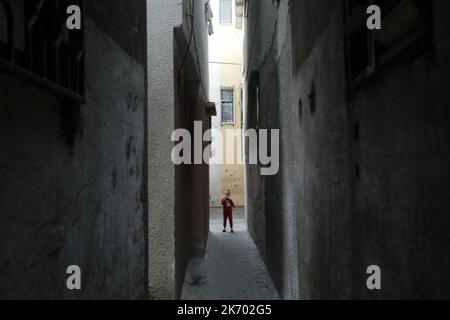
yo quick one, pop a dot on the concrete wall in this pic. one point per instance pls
(163, 17)
(192, 81)
(226, 49)
(270, 203)
(400, 210)
(361, 181)
(198, 83)
(177, 78)
(72, 177)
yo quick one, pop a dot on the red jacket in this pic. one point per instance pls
(227, 205)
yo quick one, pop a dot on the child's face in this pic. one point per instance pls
(227, 195)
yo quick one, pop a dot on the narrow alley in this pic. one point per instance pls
(232, 268)
(130, 128)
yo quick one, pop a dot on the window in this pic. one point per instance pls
(225, 12)
(227, 106)
(404, 32)
(36, 45)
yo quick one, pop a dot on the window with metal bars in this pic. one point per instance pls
(405, 32)
(35, 44)
(227, 106)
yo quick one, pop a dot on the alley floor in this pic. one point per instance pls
(232, 268)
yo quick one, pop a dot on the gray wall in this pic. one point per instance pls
(192, 181)
(271, 207)
(165, 16)
(72, 180)
(362, 181)
(172, 231)
(199, 46)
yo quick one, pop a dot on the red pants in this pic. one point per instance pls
(229, 216)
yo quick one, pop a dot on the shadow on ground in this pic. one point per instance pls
(232, 268)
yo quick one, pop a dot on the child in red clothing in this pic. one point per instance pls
(228, 207)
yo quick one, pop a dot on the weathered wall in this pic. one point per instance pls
(125, 22)
(400, 209)
(195, 73)
(165, 16)
(83, 204)
(177, 78)
(270, 200)
(323, 191)
(362, 180)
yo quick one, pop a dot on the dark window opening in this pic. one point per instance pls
(35, 44)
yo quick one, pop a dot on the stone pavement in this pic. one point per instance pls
(232, 268)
